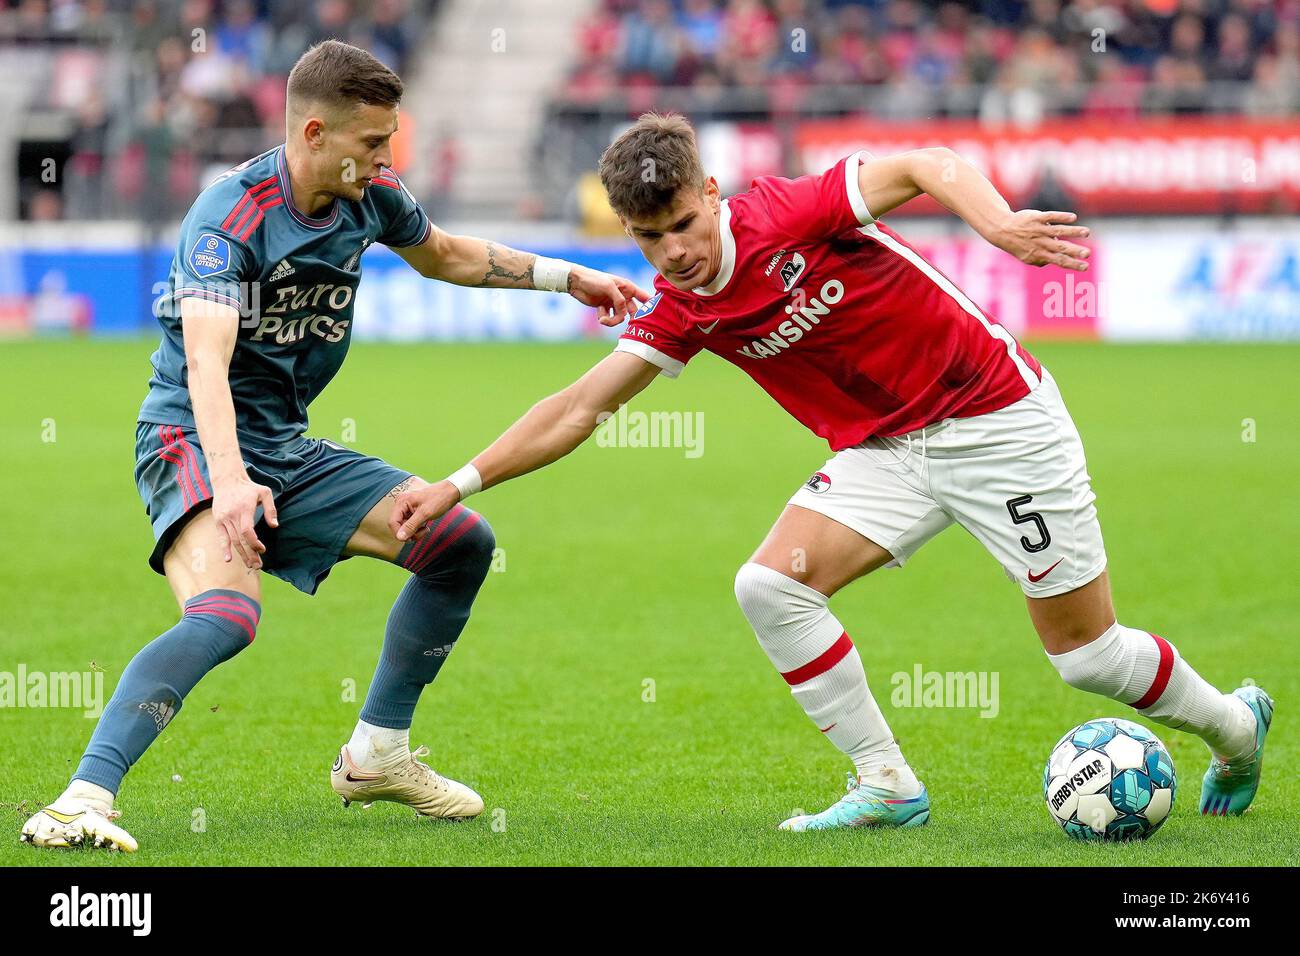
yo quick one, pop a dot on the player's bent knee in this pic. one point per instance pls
(1108, 665)
(480, 544)
(231, 618)
(463, 546)
(767, 597)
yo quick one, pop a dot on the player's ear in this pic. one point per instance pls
(313, 132)
(712, 194)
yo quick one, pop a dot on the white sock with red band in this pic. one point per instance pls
(1147, 673)
(810, 648)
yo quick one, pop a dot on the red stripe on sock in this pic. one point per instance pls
(451, 539)
(225, 604)
(242, 622)
(1163, 670)
(821, 664)
(430, 536)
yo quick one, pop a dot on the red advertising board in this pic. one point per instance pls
(1174, 165)
(1037, 303)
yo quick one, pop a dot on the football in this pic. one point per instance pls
(1109, 779)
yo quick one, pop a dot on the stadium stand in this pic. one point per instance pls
(511, 101)
(145, 99)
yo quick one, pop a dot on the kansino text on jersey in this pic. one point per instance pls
(793, 329)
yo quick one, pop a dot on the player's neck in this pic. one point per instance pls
(715, 256)
(308, 198)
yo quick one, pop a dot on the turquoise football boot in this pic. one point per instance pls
(1228, 788)
(865, 806)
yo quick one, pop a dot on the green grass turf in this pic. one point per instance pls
(618, 567)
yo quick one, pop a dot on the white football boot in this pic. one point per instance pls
(405, 780)
(71, 821)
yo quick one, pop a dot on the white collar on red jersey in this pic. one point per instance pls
(728, 254)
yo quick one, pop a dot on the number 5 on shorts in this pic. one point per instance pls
(1029, 517)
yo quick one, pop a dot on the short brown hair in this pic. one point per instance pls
(643, 169)
(342, 76)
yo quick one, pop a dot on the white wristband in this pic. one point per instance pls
(467, 481)
(551, 275)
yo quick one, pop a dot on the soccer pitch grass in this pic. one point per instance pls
(617, 569)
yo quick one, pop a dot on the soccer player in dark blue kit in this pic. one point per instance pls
(256, 321)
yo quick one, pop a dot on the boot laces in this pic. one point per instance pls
(423, 771)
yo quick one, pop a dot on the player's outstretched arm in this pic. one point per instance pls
(1032, 236)
(210, 330)
(550, 430)
(465, 260)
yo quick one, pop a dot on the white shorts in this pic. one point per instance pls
(1016, 479)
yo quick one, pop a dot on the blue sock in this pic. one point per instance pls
(215, 626)
(447, 568)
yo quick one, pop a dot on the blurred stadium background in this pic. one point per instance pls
(1170, 125)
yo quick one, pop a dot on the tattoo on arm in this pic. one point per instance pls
(497, 271)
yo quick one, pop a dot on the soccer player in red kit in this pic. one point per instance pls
(935, 415)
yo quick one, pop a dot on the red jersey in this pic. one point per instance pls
(835, 316)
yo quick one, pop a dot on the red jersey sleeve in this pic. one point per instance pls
(658, 334)
(815, 207)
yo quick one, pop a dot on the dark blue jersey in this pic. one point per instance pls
(294, 281)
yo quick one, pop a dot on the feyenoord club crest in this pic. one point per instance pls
(819, 483)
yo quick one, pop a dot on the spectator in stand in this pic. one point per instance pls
(1017, 59)
(748, 40)
(700, 22)
(652, 43)
(796, 41)
(1235, 56)
(242, 37)
(1114, 94)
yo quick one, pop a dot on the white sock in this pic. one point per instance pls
(810, 648)
(1147, 673)
(372, 747)
(100, 798)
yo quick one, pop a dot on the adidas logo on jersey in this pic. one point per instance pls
(282, 271)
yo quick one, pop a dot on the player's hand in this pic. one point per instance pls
(1043, 238)
(234, 506)
(414, 509)
(615, 298)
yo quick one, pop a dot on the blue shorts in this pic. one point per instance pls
(322, 492)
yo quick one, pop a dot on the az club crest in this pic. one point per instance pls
(819, 483)
(791, 271)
